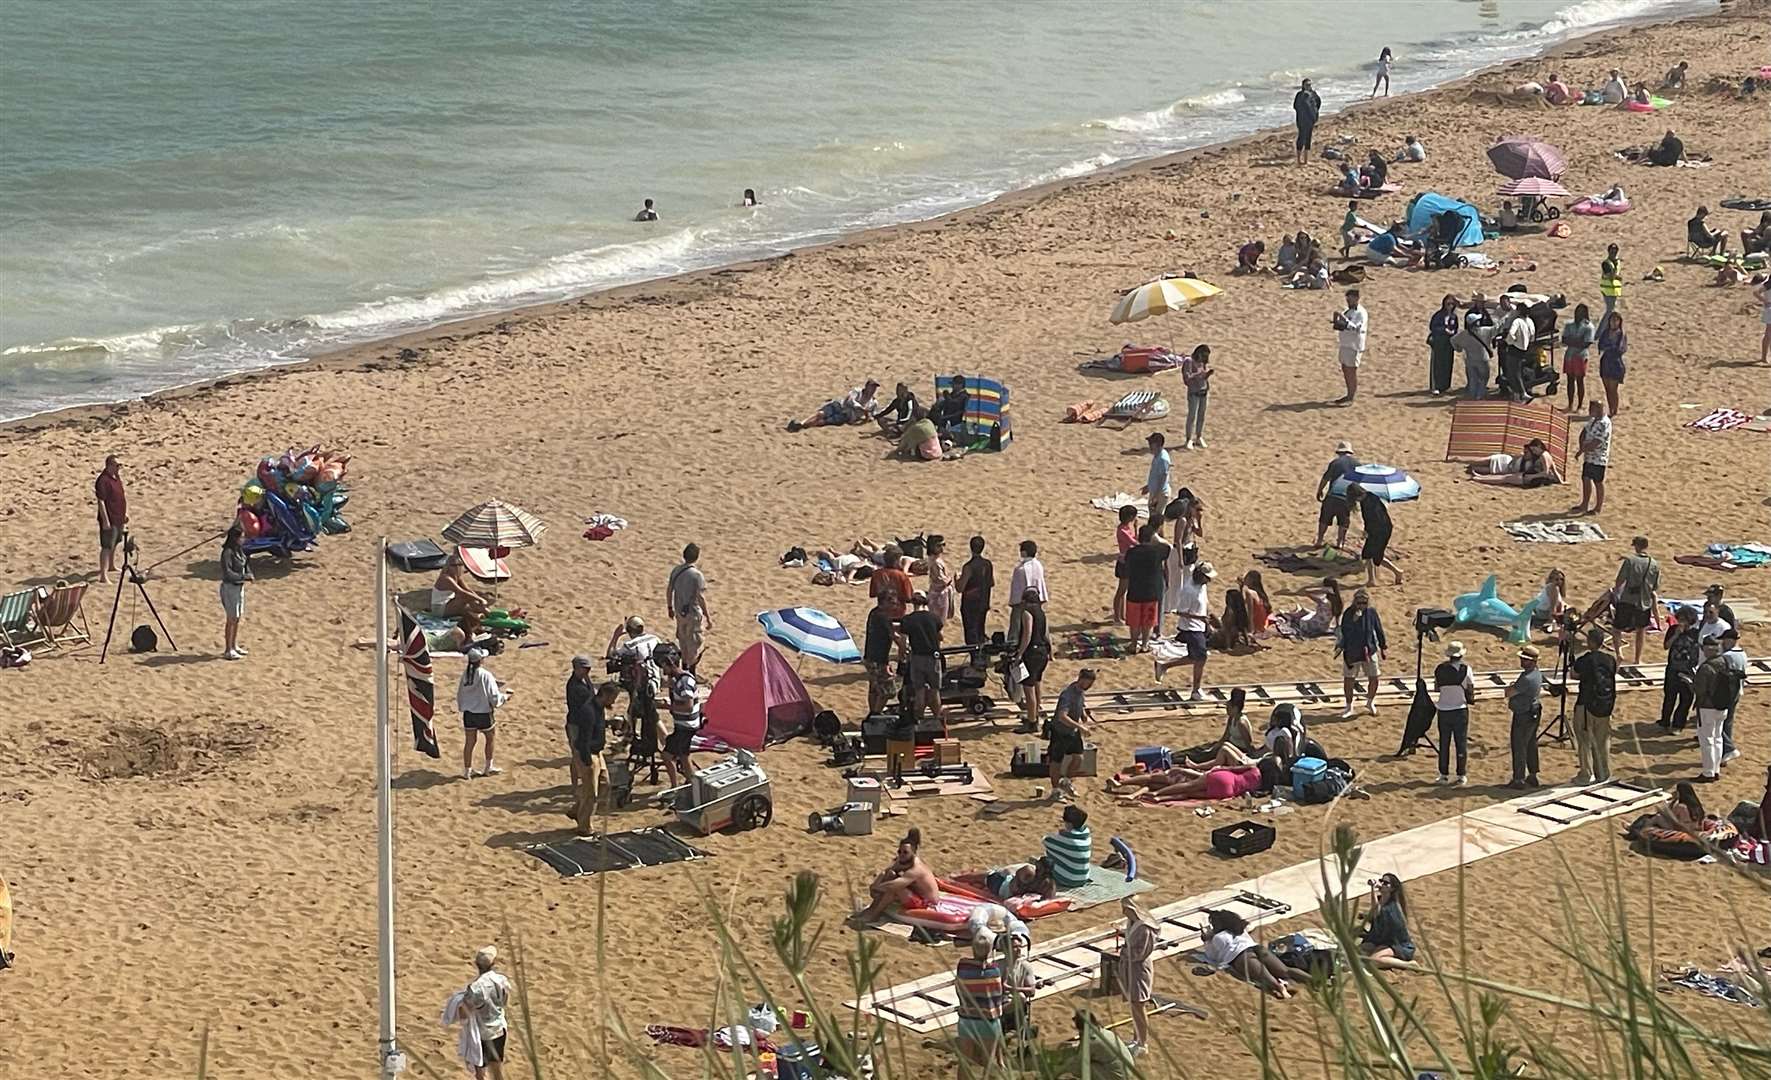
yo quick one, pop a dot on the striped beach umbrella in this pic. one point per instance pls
(1162, 296)
(1535, 186)
(1519, 156)
(1386, 482)
(495, 524)
(811, 632)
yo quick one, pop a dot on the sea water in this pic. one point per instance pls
(190, 188)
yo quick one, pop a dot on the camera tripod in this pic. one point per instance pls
(1556, 729)
(131, 574)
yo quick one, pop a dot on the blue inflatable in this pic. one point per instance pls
(1130, 857)
(1484, 607)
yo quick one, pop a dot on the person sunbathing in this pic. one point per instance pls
(1286, 739)
(453, 592)
(1231, 948)
(906, 883)
(1238, 733)
(1532, 468)
(1213, 782)
(1028, 879)
(1684, 811)
(1375, 172)
(852, 408)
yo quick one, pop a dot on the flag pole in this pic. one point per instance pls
(392, 1061)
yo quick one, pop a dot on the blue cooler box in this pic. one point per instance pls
(1304, 771)
(1153, 758)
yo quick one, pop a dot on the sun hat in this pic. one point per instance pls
(634, 624)
(486, 956)
(1208, 570)
(1529, 652)
(1343, 447)
(1455, 650)
(476, 654)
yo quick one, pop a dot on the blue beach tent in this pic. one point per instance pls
(1428, 206)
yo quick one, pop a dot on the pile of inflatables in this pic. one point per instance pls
(294, 499)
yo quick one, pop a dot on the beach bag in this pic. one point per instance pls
(1336, 778)
(415, 556)
(143, 639)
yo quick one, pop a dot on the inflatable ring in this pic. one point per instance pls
(1130, 857)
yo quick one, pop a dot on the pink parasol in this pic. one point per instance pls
(1536, 186)
(1522, 156)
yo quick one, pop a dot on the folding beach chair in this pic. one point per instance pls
(1137, 405)
(18, 619)
(62, 616)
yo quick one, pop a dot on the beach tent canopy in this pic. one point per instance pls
(759, 700)
(1427, 207)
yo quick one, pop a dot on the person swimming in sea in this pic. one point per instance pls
(749, 197)
(646, 213)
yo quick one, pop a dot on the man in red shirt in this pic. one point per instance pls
(113, 514)
(891, 589)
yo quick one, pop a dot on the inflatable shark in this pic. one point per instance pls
(1484, 608)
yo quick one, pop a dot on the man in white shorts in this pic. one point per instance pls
(1350, 328)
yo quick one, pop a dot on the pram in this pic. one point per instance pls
(1442, 242)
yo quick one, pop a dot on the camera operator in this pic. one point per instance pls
(629, 658)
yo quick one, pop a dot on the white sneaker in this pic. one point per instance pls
(1347, 713)
(1443, 779)
(467, 774)
(491, 770)
(1135, 1049)
(1730, 755)
(241, 649)
(1197, 695)
(1463, 781)
(1370, 709)
(1200, 442)
(1188, 445)
(231, 654)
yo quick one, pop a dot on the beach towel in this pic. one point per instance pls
(600, 526)
(1720, 420)
(1364, 192)
(1714, 986)
(1555, 532)
(1104, 886)
(726, 1038)
(1728, 557)
(1112, 503)
(1310, 560)
(470, 1047)
(1136, 360)
(1084, 412)
(1087, 646)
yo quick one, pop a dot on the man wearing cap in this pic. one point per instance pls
(1156, 488)
(1713, 595)
(1335, 507)
(1717, 692)
(1192, 608)
(1596, 673)
(113, 514)
(1527, 710)
(632, 646)
(488, 996)
(1636, 596)
(1454, 691)
(587, 727)
(478, 697)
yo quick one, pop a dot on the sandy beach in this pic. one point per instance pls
(190, 842)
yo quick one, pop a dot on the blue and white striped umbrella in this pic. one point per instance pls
(812, 632)
(1386, 482)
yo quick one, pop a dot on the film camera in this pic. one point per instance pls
(849, 819)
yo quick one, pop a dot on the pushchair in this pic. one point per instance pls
(1441, 242)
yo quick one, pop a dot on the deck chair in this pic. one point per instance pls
(62, 615)
(18, 619)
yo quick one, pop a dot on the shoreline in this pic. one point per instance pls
(380, 353)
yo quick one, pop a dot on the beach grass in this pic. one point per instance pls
(1447, 1021)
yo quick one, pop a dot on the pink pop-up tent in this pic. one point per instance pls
(758, 700)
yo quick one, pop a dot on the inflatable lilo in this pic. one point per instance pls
(1485, 608)
(962, 916)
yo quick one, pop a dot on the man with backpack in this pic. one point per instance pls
(1596, 673)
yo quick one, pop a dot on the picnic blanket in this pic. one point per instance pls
(1555, 532)
(1104, 886)
(1729, 557)
(1311, 560)
(1721, 420)
(1746, 609)
(1714, 986)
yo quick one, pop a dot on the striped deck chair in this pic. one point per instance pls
(62, 615)
(18, 619)
(1136, 405)
(1481, 428)
(986, 408)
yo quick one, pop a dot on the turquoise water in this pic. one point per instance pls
(191, 187)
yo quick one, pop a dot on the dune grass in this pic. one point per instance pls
(1614, 1025)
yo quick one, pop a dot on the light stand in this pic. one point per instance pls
(131, 574)
(1421, 711)
(1556, 730)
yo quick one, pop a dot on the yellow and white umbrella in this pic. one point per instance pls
(1162, 296)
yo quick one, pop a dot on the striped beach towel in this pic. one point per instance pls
(1720, 420)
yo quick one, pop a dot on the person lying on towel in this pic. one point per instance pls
(1533, 468)
(906, 882)
(855, 407)
(1231, 773)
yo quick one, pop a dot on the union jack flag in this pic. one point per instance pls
(421, 687)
